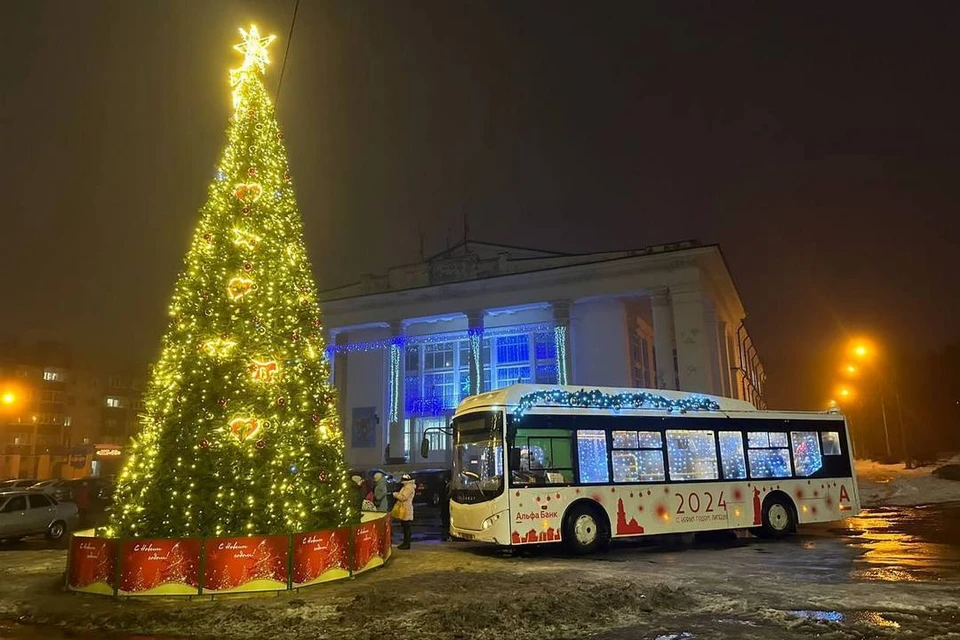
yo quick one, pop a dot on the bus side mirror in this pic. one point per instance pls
(425, 448)
(515, 459)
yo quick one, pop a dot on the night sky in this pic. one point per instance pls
(817, 143)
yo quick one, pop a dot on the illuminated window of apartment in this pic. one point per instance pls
(67, 421)
(113, 402)
(51, 374)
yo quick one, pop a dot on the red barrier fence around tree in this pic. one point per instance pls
(209, 566)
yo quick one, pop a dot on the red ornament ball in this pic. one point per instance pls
(315, 417)
(252, 171)
(322, 476)
(222, 402)
(204, 444)
(261, 444)
(281, 402)
(207, 237)
(247, 266)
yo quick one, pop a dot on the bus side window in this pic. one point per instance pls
(731, 455)
(806, 453)
(768, 455)
(592, 455)
(637, 456)
(831, 443)
(691, 455)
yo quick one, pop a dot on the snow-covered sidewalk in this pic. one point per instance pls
(892, 484)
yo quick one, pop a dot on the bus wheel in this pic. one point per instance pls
(583, 531)
(778, 519)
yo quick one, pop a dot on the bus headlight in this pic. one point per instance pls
(489, 522)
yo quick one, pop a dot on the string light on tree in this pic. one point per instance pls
(239, 379)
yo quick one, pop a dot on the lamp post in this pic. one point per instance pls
(862, 352)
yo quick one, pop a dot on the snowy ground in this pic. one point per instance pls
(891, 484)
(889, 573)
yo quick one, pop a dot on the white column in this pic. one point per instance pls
(663, 339)
(340, 378)
(475, 334)
(693, 339)
(713, 346)
(725, 373)
(733, 351)
(396, 407)
(601, 346)
(561, 318)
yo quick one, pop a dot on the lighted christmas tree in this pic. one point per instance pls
(240, 433)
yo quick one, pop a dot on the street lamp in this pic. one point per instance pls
(864, 352)
(8, 398)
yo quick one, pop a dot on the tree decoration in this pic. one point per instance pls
(263, 370)
(238, 287)
(219, 347)
(245, 240)
(249, 192)
(597, 399)
(203, 388)
(244, 428)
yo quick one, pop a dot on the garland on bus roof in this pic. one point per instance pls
(596, 399)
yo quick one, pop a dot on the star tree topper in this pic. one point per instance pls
(255, 58)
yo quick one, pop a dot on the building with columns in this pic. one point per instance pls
(408, 345)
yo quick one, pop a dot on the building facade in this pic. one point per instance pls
(61, 419)
(408, 345)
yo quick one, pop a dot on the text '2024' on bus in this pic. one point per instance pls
(537, 464)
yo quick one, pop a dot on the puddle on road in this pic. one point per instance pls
(905, 544)
(869, 617)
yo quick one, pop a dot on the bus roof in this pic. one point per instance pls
(511, 396)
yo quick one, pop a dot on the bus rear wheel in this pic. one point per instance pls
(584, 530)
(778, 520)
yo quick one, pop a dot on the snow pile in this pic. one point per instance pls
(892, 484)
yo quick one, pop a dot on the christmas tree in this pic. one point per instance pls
(240, 433)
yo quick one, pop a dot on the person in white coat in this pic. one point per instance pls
(405, 501)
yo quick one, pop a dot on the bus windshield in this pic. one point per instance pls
(477, 457)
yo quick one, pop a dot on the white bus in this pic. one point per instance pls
(541, 464)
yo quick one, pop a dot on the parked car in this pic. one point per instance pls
(27, 513)
(430, 485)
(47, 486)
(19, 483)
(68, 490)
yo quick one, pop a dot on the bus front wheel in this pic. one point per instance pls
(778, 519)
(584, 529)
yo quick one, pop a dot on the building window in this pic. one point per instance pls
(113, 402)
(640, 361)
(67, 421)
(51, 374)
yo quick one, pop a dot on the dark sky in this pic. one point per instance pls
(816, 142)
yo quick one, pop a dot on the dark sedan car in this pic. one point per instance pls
(430, 485)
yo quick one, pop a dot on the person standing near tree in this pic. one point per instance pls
(380, 492)
(403, 510)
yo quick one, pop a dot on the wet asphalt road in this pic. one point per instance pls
(897, 546)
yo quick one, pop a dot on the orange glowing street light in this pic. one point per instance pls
(8, 398)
